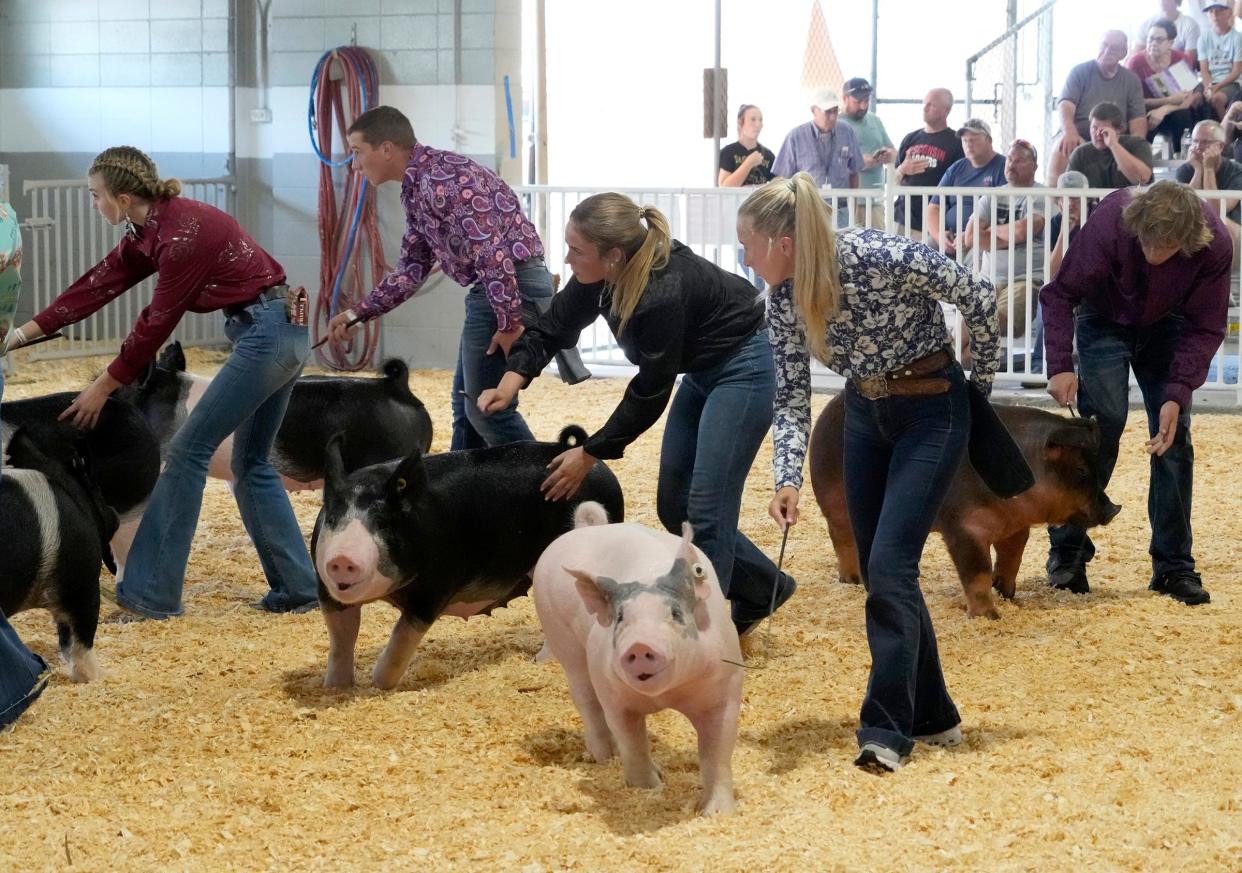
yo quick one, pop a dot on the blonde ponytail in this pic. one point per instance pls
(794, 208)
(127, 170)
(613, 220)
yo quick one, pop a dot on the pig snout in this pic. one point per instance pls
(348, 562)
(641, 662)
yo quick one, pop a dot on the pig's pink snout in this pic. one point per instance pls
(642, 662)
(343, 571)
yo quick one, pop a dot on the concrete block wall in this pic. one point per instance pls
(77, 76)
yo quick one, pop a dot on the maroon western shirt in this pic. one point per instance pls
(1105, 268)
(205, 262)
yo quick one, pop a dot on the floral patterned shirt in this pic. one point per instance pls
(463, 215)
(890, 316)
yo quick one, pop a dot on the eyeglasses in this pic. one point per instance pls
(1157, 39)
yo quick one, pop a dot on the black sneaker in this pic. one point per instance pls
(1072, 579)
(1183, 585)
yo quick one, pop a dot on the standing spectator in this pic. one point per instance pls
(981, 168)
(924, 156)
(877, 148)
(1220, 59)
(1185, 35)
(463, 216)
(1112, 159)
(1018, 228)
(1062, 229)
(824, 149)
(1149, 278)
(1167, 74)
(746, 162)
(1091, 83)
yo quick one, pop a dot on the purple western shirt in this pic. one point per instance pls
(1105, 268)
(463, 215)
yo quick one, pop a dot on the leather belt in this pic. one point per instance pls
(275, 292)
(913, 378)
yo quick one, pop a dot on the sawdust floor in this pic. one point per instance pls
(1102, 732)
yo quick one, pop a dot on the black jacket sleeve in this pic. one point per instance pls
(657, 329)
(576, 307)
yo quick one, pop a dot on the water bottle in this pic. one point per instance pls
(1185, 152)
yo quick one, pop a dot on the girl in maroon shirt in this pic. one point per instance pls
(205, 262)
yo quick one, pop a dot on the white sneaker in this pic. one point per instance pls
(947, 739)
(878, 759)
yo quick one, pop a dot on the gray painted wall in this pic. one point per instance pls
(156, 49)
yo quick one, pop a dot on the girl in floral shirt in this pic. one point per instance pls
(867, 304)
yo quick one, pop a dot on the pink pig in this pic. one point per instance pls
(636, 618)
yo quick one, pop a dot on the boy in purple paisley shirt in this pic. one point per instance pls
(464, 216)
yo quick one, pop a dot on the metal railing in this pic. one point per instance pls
(65, 237)
(705, 220)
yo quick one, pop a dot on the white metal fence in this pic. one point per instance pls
(705, 220)
(63, 237)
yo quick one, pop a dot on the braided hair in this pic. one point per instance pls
(127, 170)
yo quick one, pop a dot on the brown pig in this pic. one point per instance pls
(1063, 454)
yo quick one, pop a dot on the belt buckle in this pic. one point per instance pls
(873, 387)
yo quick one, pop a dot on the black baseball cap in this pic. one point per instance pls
(856, 87)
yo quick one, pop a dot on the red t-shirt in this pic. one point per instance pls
(1141, 67)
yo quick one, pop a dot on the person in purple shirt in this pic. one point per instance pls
(464, 216)
(1149, 277)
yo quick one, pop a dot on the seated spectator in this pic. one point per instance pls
(1062, 229)
(1112, 159)
(923, 158)
(982, 167)
(1220, 59)
(1170, 86)
(1232, 123)
(877, 148)
(1208, 168)
(746, 162)
(1185, 31)
(1092, 82)
(1018, 226)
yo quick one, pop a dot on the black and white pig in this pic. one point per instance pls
(381, 418)
(121, 453)
(451, 534)
(56, 528)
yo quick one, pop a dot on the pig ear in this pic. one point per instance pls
(1075, 436)
(410, 477)
(597, 593)
(333, 466)
(696, 571)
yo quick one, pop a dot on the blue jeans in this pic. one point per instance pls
(248, 399)
(1106, 352)
(477, 370)
(717, 421)
(901, 453)
(20, 672)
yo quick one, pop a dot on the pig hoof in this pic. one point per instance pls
(720, 804)
(330, 681)
(544, 654)
(385, 680)
(651, 779)
(82, 666)
(600, 750)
